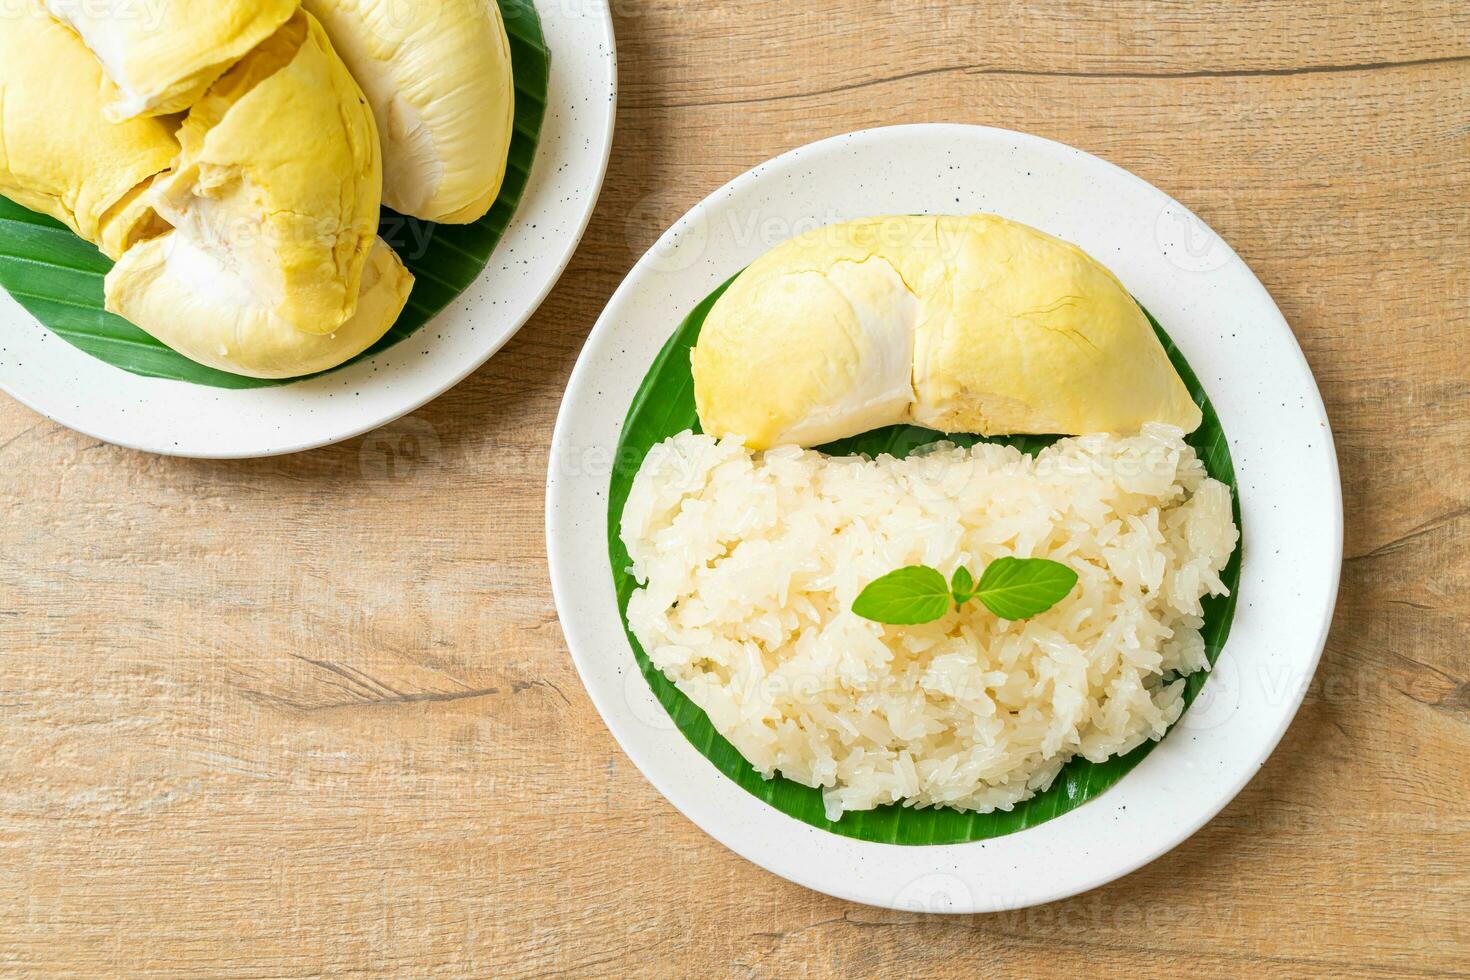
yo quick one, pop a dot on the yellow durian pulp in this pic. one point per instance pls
(273, 268)
(161, 55)
(58, 155)
(187, 299)
(961, 324)
(438, 76)
(279, 177)
(245, 231)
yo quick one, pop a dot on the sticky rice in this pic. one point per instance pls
(749, 564)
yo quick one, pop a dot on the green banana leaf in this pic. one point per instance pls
(57, 276)
(664, 406)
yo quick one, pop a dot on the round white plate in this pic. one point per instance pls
(1237, 342)
(57, 380)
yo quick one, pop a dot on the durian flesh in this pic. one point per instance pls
(161, 55)
(271, 183)
(961, 324)
(57, 154)
(184, 297)
(274, 268)
(438, 76)
(279, 178)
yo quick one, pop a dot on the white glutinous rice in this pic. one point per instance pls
(749, 564)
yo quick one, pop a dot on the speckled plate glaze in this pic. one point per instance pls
(174, 418)
(1230, 332)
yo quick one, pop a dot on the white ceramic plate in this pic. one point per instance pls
(1233, 336)
(62, 383)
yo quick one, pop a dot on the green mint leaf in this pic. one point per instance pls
(1019, 588)
(906, 597)
(962, 586)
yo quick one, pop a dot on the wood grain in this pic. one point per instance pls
(314, 715)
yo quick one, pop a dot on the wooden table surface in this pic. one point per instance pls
(315, 715)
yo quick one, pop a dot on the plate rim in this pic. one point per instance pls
(420, 398)
(558, 489)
